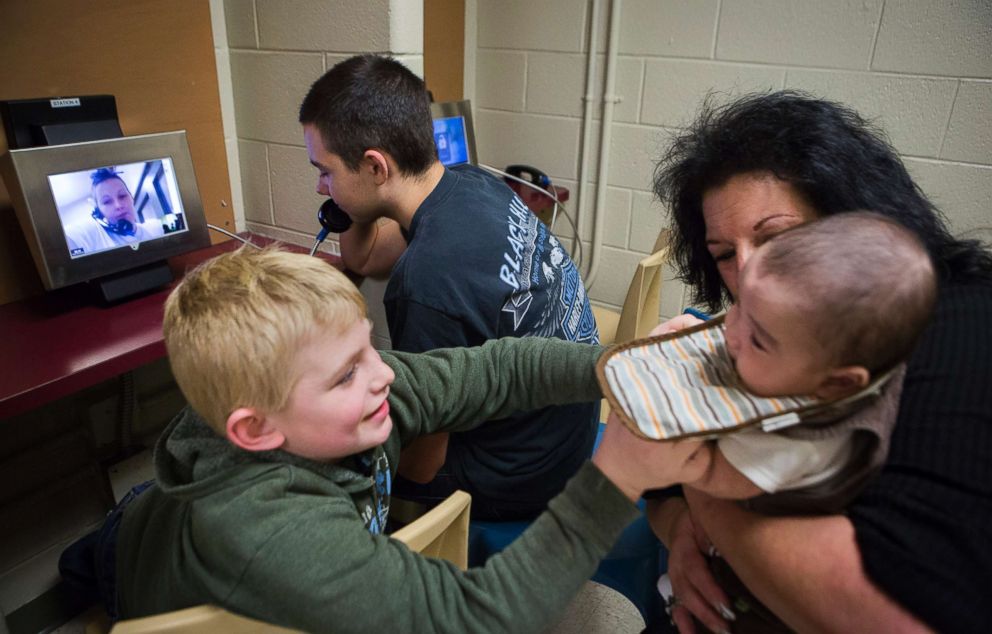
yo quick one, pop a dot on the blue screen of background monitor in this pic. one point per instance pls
(449, 137)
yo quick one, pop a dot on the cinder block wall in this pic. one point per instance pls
(276, 50)
(920, 68)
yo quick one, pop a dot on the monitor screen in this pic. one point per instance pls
(116, 206)
(449, 137)
(454, 135)
(97, 208)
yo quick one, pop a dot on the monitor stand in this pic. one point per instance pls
(119, 286)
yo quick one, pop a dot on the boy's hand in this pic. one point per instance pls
(634, 465)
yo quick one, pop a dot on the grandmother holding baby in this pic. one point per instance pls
(913, 551)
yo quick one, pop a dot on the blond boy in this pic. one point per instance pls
(273, 503)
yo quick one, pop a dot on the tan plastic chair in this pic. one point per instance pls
(203, 619)
(643, 303)
(640, 309)
(441, 532)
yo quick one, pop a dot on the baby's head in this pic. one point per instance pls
(825, 307)
(272, 349)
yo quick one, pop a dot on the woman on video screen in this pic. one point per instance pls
(114, 220)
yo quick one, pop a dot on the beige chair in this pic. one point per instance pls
(643, 303)
(640, 309)
(441, 532)
(202, 619)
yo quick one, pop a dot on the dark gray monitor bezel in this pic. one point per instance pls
(35, 206)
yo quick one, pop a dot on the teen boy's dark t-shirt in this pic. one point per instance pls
(481, 266)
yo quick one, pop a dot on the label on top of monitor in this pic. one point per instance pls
(65, 103)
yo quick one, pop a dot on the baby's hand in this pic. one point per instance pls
(675, 324)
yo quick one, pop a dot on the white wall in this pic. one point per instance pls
(920, 68)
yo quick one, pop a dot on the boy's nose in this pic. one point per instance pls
(382, 378)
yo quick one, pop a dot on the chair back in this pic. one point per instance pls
(441, 532)
(202, 619)
(643, 303)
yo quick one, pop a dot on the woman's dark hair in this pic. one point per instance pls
(838, 161)
(104, 174)
(370, 101)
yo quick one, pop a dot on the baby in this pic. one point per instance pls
(823, 310)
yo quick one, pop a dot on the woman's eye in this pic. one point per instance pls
(756, 343)
(724, 256)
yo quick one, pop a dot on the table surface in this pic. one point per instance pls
(63, 341)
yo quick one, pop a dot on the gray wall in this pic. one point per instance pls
(920, 68)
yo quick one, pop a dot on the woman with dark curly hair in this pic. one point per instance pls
(914, 550)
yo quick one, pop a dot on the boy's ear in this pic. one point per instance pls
(844, 381)
(252, 431)
(378, 164)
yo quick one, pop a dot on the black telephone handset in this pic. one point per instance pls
(332, 218)
(122, 226)
(530, 174)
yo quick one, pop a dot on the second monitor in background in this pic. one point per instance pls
(454, 133)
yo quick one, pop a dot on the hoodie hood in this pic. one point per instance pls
(192, 461)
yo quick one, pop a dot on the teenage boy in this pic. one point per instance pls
(468, 262)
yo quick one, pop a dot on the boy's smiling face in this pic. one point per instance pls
(338, 405)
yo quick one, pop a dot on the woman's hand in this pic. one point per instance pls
(693, 585)
(675, 324)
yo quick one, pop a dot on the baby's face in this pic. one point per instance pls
(770, 340)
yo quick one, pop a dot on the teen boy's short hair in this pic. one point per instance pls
(866, 281)
(370, 101)
(234, 326)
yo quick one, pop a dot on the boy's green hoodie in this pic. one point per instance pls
(290, 541)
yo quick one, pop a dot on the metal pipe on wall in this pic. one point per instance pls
(587, 101)
(610, 99)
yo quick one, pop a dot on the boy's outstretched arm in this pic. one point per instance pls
(453, 389)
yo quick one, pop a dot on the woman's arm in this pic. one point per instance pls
(807, 570)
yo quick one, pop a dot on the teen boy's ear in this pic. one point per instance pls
(378, 164)
(249, 429)
(844, 381)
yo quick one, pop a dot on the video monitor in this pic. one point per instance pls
(93, 209)
(454, 134)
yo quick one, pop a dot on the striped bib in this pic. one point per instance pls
(684, 384)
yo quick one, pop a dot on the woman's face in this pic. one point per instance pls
(115, 201)
(743, 213)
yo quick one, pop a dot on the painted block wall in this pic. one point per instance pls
(921, 69)
(275, 49)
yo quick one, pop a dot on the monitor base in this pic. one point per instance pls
(119, 286)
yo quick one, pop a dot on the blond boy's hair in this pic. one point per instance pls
(234, 326)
